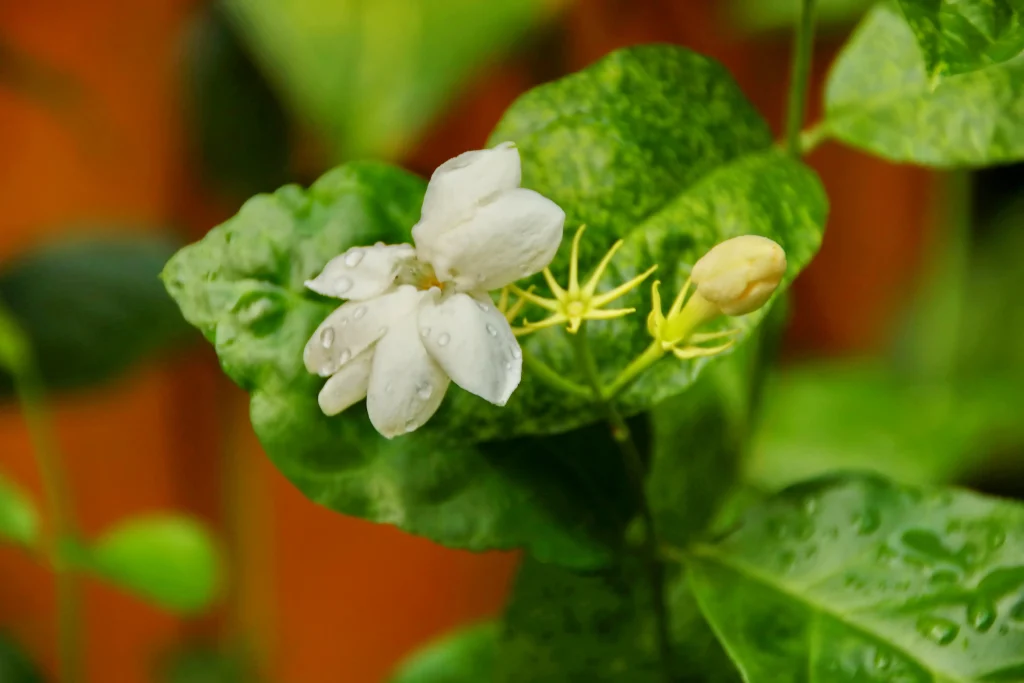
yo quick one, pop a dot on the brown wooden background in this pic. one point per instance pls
(322, 597)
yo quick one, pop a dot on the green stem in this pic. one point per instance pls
(635, 470)
(649, 357)
(803, 47)
(545, 373)
(58, 501)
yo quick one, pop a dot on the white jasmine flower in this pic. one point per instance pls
(417, 318)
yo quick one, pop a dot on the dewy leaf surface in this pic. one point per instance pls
(879, 98)
(959, 36)
(465, 656)
(858, 579)
(654, 144)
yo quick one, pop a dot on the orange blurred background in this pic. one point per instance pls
(317, 596)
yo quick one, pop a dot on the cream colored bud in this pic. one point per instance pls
(740, 274)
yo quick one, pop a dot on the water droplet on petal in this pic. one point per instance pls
(353, 257)
(359, 312)
(443, 340)
(388, 387)
(482, 306)
(344, 357)
(938, 630)
(424, 390)
(342, 285)
(517, 353)
(410, 426)
(425, 332)
(981, 614)
(344, 321)
(491, 331)
(382, 330)
(378, 244)
(327, 337)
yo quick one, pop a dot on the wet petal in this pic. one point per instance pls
(512, 237)
(347, 385)
(361, 272)
(355, 326)
(473, 342)
(458, 186)
(406, 385)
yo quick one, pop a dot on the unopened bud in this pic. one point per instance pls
(739, 275)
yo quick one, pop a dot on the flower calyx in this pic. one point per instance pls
(573, 304)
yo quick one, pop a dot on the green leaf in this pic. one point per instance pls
(243, 287)
(373, 75)
(824, 417)
(465, 656)
(19, 521)
(15, 665)
(860, 579)
(91, 309)
(759, 16)
(239, 129)
(879, 98)
(169, 560)
(655, 145)
(564, 627)
(204, 663)
(959, 36)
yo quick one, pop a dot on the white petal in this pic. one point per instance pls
(474, 344)
(361, 272)
(406, 385)
(354, 326)
(512, 237)
(346, 386)
(458, 186)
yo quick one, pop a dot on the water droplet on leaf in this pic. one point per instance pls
(981, 614)
(938, 630)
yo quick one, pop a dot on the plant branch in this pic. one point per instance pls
(635, 470)
(29, 389)
(803, 48)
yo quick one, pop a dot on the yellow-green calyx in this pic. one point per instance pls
(734, 278)
(575, 303)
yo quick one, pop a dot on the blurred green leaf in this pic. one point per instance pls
(202, 663)
(844, 415)
(465, 656)
(860, 579)
(169, 560)
(879, 98)
(239, 129)
(19, 521)
(772, 15)
(15, 665)
(91, 309)
(372, 75)
(960, 36)
(565, 627)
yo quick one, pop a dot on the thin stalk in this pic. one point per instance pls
(635, 471)
(645, 360)
(58, 501)
(545, 373)
(800, 74)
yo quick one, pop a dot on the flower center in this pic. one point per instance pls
(418, 274)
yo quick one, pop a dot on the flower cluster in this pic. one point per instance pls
(418, 317)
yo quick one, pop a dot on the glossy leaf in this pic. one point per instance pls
(168, 560)
(860, 579)
(959, 36)
(371, 76)
(825, 417)
(19, 521)
(92, 309)
(465, 656)
(597, 627)
(242, 286)
(879, 98)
